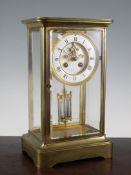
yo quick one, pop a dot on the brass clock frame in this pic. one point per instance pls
(44, 151)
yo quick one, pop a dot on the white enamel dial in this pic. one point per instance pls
(74, 58)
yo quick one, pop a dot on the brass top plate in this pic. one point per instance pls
(104, 22)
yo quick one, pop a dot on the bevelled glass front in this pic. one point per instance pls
(75, 65)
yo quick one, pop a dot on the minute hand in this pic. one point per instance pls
(69, 54)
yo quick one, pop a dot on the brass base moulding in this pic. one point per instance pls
(58, 152)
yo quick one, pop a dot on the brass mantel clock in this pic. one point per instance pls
(67, 78)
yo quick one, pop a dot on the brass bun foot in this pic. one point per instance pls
(54, 153)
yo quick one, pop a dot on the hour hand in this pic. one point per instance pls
(66, 52)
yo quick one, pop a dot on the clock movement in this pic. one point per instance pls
(67, 86)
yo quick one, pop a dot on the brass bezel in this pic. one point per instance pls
(54, 44)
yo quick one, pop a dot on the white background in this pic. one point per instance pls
(13, 59)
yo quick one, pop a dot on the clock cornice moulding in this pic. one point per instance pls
(51, 20)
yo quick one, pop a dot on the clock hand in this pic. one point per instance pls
(65, 51)
(72, 55)
(74, 46)
(69, 54)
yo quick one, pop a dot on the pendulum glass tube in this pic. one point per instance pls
(64, 106)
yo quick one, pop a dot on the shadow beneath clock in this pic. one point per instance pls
(91, 166)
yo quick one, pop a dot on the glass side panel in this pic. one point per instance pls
(36, 80)
(75, 82)
(93, 88)
(92, 113)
